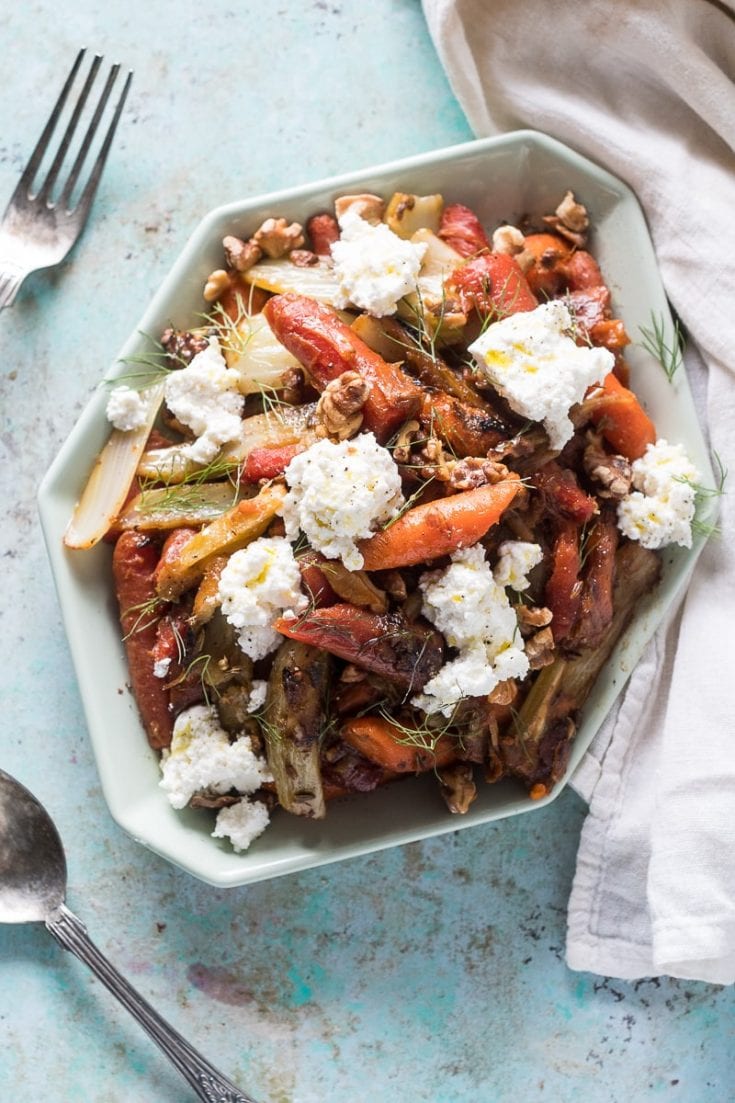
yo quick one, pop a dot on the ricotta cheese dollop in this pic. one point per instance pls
(201, 756)
(660, 510)
(126, 409)
(474, 615)
(375, 267)
(339, 494)
(241, 823)
(258, 584)
(533, 362)
(516, 558)
(204, 396)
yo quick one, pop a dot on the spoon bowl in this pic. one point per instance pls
(33, 889)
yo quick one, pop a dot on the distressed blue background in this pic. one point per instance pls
(431, 973)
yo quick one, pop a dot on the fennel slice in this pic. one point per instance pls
(317, 281)
(107, 487)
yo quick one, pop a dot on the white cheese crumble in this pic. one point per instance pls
(201, 756)
(161, 666)
(533, 362)
(340, 493)
(126, 409)
(258, 691)
(474, 615)
(204, 396)
(516, 558)
(258, 584)
(241, 823)
(660, 510)
(375, 267)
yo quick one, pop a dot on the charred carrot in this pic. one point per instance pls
(268, 463)
(546, 275)
(467, 430)
(323, 231)
(492, 284)
(563, 494)
(326, 347)
(564, 588)
(386, 745)
(402, 651)
(462, 230)
(622, 420)
(438, 528)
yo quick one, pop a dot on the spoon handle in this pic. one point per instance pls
(207, 1082)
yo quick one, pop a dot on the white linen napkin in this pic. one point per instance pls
(643, 87)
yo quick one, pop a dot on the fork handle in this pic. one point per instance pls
(11, 277)
(207, 1082)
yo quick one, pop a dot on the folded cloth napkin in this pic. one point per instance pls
(643, 87)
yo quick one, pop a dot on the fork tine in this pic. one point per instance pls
(91, 186)
(88, 138)
(44, 192)
(37, 156)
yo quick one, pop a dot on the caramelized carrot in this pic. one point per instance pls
(323, 232)
(563, 494)
(326, 348)
(267, 463)
(438, 528)
(564, 588)
(467, 430)
(622, 420)
(462, 230)
(546, 276)
(385, 744)
(492, 284)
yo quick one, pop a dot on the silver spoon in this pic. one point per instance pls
(32, 890)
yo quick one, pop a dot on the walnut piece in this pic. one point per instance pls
(458, 786)
(367, 206)
(276, 238)
(531, 617)
(407, 435)
(570, 220)
(612, 473)
(240, 254)
(339, 410)
(181, 345)
(217, 283)
(540, 649)
(476, 471)
(508, 239)
(303, 258)
(504, 693)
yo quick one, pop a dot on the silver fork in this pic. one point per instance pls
(37, 232)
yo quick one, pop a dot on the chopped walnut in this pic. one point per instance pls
(531, 617)
(476, 471)
(217, 283)
(570, 220)
(613, 474)
(181, 345)
(209, 798)
(508, 239)
(430, 461)
(504, 693)
(573, 214)
(276, 238)
(339, 410)
(293, 383)
(407, 435)
(458, 786)
(303, 258)
(540, 649)
(369, 207)
(240, 254)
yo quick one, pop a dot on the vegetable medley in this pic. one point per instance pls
(384, 509)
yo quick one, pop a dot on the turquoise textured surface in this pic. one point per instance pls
(432, 972)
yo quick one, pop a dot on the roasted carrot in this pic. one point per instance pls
(323, 231)
(467, 430)
(386, 745)
(326, 347)
(405, 652)
(462, 230)
(438, 528)
(546, 276)
(564, 587)
(268, 463)
(563, 494)
(492, 284)
(622, 420)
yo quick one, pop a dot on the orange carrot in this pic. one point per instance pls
(622, 420)
(440, 527)
(326, 347)
(385, 744)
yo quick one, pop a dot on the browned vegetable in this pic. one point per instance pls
(294, 719)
